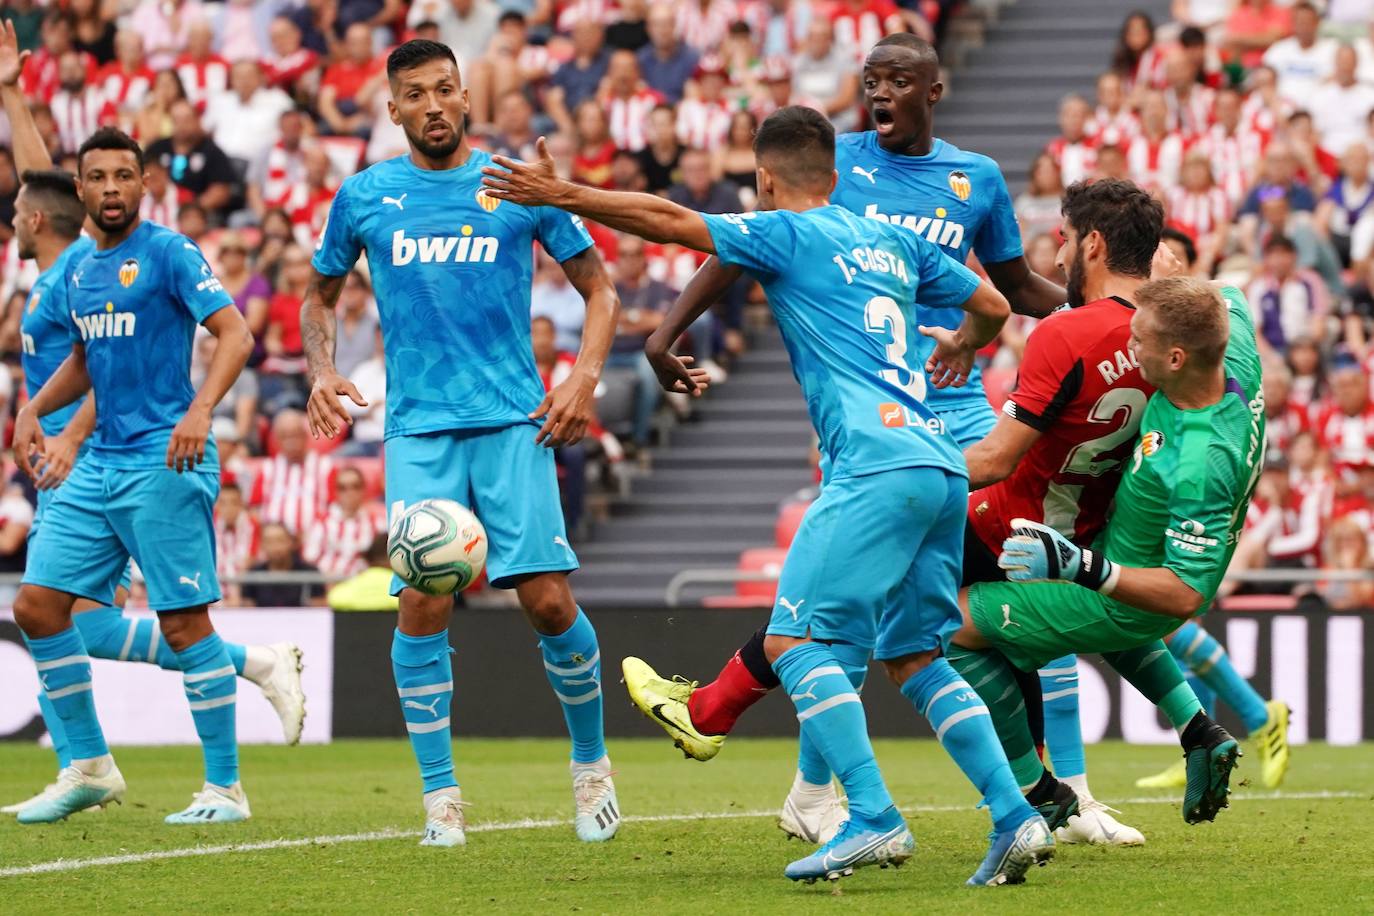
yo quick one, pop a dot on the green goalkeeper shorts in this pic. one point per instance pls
(1034, 623)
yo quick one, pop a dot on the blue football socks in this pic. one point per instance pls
(572, 662)
(424, 681)
(1199, 652)
(810, 763)
(211, 689)
(1063, 734)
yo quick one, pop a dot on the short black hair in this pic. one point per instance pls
(1192, 37)
(1277, 242)
(924, 49)
(1171, 234)
(1129, 220)
(799, 144)
(110, 138)
(53, 192)
(415, 52)
(511, 16)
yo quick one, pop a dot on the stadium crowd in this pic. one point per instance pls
(1253, 121)
(252, 113)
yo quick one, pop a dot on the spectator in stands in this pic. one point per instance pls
(233, 449)
(347, 86)
(554, 298)
(827, 73)
(643, 303)
(1072, 150)
(92, 32)
(164, 25)
(1136, 59)
(667, 63)
(245, 120)
(1308, 370)
(1113, 120)
(595, 148)
(281, 554)
(161, 199)
(309, 205)
(278, 173)
(241, 29)
(1289, 302)
(369, 422)
(1278, 170)
(580, 78)
(292, 66)
(240, 403)
(1347, 550)
(1340, 107)
(511, 64)
(1233, 149)
(154, 119)
(369, 590)
(513, 131)
(39, 78)
(1349, 200)
(1314, 252)
(16, 518)
(1190, 102)
(1253, 26)
(1345, 426)
(250, 289)
(1201, 14)
(698, 191)
(126, 80)
(1357, 315)
(626, 173)
(1303, 60)
(466, 26)
(1199, 208)
(335, 542)
(734, 162)
(236, 537)
(661, 158)
(196, 163)
(1156, 156)
(1181, 245)
(1283, 418)
(203, 72)
(293, 486)
(554, 363)
(1111, 163)
(627, 101)
(283, 380)
(703, 120)
(78, 108)
(357, 324)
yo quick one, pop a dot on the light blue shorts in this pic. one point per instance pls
(876, 563)
(971, 423)
(100, 517)
(508, 481)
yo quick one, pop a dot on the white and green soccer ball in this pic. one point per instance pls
(437, 546)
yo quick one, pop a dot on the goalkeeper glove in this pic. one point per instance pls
(1036, 553)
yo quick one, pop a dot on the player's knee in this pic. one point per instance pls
(36, 615)
(548, 603)
(900, 670)
(424, 615)
(183, 629)
(775, 646)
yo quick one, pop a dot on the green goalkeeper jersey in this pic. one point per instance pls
(1181, 503)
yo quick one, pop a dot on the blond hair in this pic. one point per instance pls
(1191, 314)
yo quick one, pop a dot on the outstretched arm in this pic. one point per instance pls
(30, 152)
(645, 215)
(708, 284)
(318, 329)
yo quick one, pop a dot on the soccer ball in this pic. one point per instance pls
(437, 546)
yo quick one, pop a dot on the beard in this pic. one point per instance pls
(25, 247)
(437, 150)
(1074, 285)
(115, 225)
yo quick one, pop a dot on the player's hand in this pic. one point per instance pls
(1037, 553)
(325, 410)
(28, 439)
(1165, 263)
(566, 411)
(677, 374)
(952, 361)
(12, 60)
(532, 184)
(186, 448)
(56, 461)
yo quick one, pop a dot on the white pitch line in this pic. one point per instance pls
(394, 833)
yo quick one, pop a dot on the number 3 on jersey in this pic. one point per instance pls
(882, 315)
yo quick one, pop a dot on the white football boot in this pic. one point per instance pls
(214, 805)
(280, 682)
(75, 790)
(1094, 824)
(597, 815)
(445, 823)
(812, 813)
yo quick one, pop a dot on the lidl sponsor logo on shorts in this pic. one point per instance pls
(128, 272)
(897, 416)
(960, 185)
(1151, 442)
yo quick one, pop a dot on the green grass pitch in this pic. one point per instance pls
(1303, 847)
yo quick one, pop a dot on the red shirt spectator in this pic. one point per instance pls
(125, 81)
(236, 532)
(1346, 426)
(1254, 25)
(335, 541)
(290, 62)
(703, 24)
(204, 74)
(860, 23)
(293, 488)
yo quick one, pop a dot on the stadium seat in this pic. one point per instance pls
(789, 520)
(616, 404)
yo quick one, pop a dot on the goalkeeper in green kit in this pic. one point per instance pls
(1178, 514)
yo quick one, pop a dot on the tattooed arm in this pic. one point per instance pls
(318, 326)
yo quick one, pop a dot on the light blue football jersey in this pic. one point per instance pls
(845, 293)
(135, 307)
(451, 268)
(951, 197)
(45, 331)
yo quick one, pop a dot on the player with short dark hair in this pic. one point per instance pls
(145, 489)
(1179, 511)
(466, 412)
(48, 219)
(845, 291)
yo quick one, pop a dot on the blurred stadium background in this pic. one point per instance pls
(1251, 120)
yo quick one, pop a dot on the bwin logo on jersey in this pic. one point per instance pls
(108, 323)
(936, 229)
(443, 249)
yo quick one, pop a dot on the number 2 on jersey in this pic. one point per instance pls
(882, 315)
(1090, 457)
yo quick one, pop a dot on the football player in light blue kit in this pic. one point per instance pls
(901, 174)
(145, 489)
(886, 531)
(451, 267)
(47, 224)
